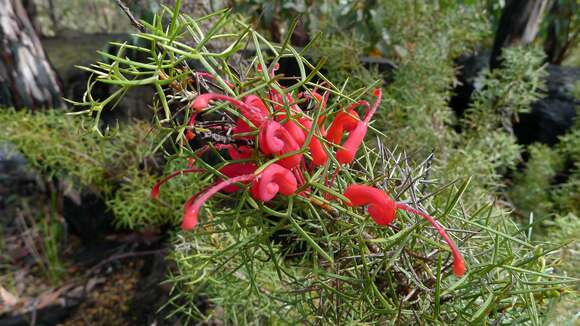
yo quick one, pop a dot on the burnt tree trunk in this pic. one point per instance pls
(563, 32)
(518, 25)
(26, 77)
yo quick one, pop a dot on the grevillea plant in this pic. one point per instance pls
(303, 212)
(288, 146)
(255, 141)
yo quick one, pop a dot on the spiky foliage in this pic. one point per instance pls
(250, 266)
(305, 259)
(118, 167)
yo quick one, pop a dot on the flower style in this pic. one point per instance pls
(193, 205)
(273, 180)
(235, 170)
(156, 188)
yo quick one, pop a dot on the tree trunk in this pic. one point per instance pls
(563, 30)
(26, 77)
(518, 25)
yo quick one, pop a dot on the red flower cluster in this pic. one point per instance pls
(285, 134)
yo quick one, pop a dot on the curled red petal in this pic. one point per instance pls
(355, 138)
(255, 114)
(319, 156)
(380, 206)
(273, 180)
(155, 189)
(295, 131)
(345, 121)
(193, 206)
(274, 139)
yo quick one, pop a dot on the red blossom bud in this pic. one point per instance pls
(275, 178)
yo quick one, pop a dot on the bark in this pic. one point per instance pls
(26, 76)
(563, 31)
(518, 25)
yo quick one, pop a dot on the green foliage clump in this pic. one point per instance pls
(426, 39)
(307, 260)
(531, 190)
(250, 265)
(487, 124)
(550, 182)
(113, 166)
(132, 205)
(57, 144)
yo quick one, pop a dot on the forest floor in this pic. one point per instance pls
(116, 282)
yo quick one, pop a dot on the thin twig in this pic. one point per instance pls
(131, 17)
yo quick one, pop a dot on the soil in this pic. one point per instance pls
(115, 282)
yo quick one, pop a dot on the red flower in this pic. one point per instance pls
(355, 138)
(345, 121)
(380, 207)
(254, 110)
(383, 209)
(275, 178)
(275, 140)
